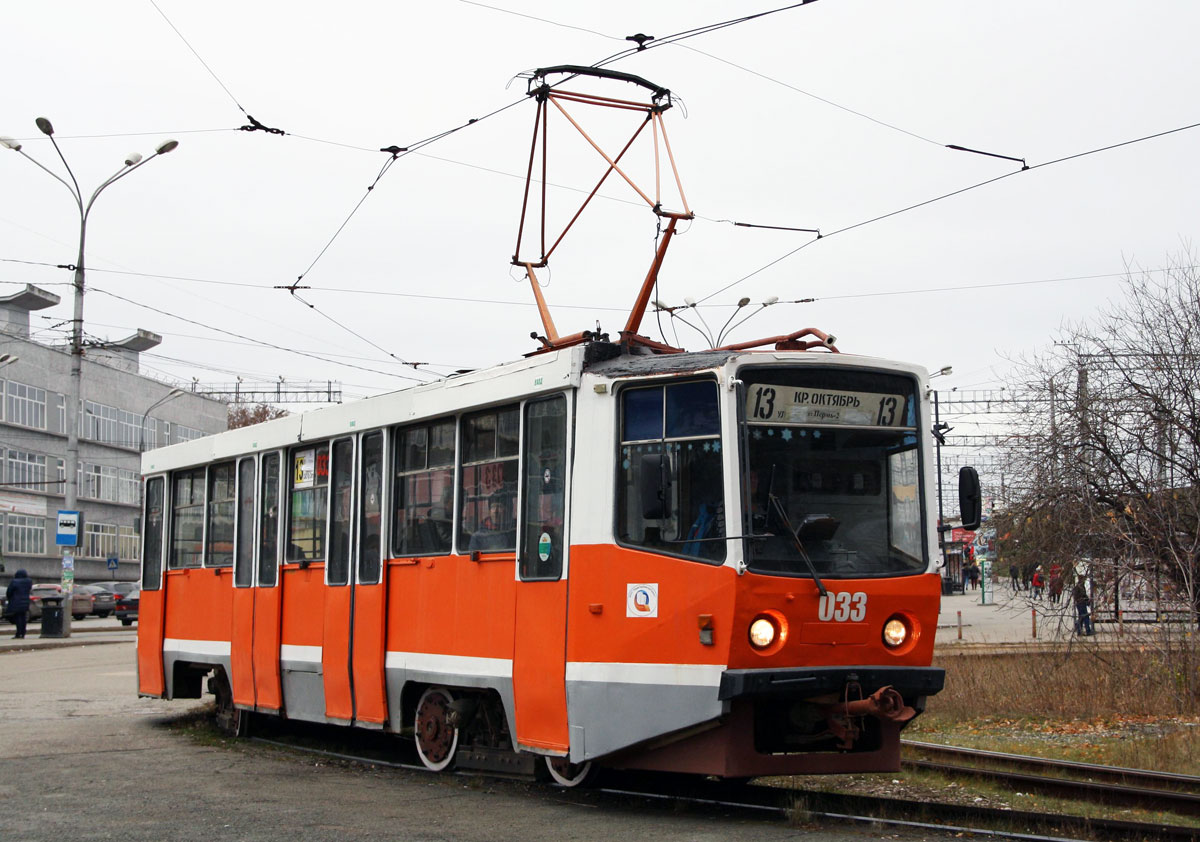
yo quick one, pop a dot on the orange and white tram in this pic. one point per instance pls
(716, 562)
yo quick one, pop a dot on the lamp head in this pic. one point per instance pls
(44, 126)
(773, 299)
(165, 147)
(133, 159)
(689, 301)
(742, 302)
(9, 143)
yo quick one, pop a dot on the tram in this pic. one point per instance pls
(605, 554)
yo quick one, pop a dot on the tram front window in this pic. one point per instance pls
(833, 472)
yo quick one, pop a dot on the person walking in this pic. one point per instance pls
(16, 600)
(974, 575)
(1014, 573)
(1037, 582)
(1056, 583)
(1083, 609)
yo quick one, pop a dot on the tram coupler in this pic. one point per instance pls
(843, 717)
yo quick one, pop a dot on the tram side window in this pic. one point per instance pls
(268, 536)
(543, 541)
(337, 572)
(370, 523)
(307, 515)
(243, 569)
(423, 494)
(670, 484)
(219, 549)
(187, 518)
(152, 536)
(488, 492)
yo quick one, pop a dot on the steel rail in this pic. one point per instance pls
(900, 813)
(1117, 773)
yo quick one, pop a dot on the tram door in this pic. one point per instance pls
(352, 650)
(254, 647)
(336, 640)
(268, 596)
(241, 661)
(151, 678)
(539, 657)
(369, 629)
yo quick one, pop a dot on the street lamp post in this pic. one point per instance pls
(174, 393)
(133, 162)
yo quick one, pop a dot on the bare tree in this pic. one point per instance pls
(1109, 448)
(244, 416)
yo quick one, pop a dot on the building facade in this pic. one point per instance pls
(121, 414)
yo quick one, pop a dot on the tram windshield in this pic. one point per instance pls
(832, 479)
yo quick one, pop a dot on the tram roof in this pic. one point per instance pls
(538, 374)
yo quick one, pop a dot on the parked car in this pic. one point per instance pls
(127, 606)
(115, 588)
(81, 603)
(103, 602)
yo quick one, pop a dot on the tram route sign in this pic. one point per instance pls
(777, 404)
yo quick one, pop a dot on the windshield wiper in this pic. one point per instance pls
(782, 513)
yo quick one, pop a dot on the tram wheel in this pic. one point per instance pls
(437, 740)
(565, 773)
(230, 719)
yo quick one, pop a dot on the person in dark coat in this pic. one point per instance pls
(1083, 605)
(16, 598)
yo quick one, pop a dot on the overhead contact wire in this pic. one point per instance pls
(261, 342)
(951, 194)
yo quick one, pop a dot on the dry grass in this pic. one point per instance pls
(1120, 708)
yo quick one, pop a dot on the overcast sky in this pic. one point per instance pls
(823, 117)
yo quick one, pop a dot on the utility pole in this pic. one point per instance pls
(75, 396)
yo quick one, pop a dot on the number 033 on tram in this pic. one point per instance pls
(715, 562)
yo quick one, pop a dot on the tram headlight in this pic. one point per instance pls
(762, 633)
(895, 632)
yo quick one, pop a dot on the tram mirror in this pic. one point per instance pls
(655, 486)
(970, 501)
(817, 527)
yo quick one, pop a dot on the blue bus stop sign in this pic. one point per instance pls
(112, 563)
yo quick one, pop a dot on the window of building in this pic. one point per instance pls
(670, 486)
(423, 494)
(26, 470)
(25, 405)
(219, 532)
(268, 534)
(128, 543)
(370, 524)
(152, 566)
(187, 518)
(309, 504)
(543, 541)
(25, 535)
(99, 540)
(243, 570)
(488, 491)
(341, 513)
(183, 433)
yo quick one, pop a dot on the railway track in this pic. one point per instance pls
(1081, 781)
(801, 805)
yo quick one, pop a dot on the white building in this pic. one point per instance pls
(114, 428)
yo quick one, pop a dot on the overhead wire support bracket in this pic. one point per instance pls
(652, 111)
(256, 126)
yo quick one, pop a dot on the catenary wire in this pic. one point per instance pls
(198, 57)
(250, 338)
(951, 194)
